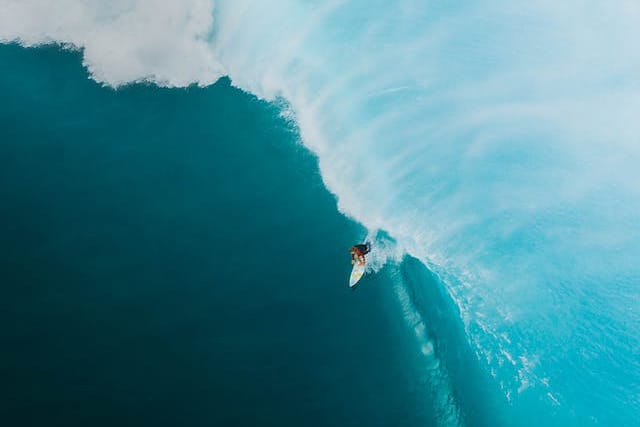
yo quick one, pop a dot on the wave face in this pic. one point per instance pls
(497, 143)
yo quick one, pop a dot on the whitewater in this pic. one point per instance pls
(496, 142)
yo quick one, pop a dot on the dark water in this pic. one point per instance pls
(171, 257)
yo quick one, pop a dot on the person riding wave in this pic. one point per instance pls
(358, 252)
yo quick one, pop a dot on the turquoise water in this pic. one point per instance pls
(171, 257)
(489, 150)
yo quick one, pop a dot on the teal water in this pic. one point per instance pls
(171, 257)
(155, 238)
(496, 144)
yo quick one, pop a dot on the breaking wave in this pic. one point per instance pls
(497, 143)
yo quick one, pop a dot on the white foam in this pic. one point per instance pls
(123, 41)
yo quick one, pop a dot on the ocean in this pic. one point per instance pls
(181, 184)
(171, 257)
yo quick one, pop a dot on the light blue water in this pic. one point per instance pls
(496, 143)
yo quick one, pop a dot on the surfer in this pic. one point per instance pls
(358, 252)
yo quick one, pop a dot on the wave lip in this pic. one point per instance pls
(123, 41)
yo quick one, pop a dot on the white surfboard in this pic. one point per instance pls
(356, 274)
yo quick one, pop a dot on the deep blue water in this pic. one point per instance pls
(494, 143)
(171, 257)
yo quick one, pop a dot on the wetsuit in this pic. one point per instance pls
(362, 249)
